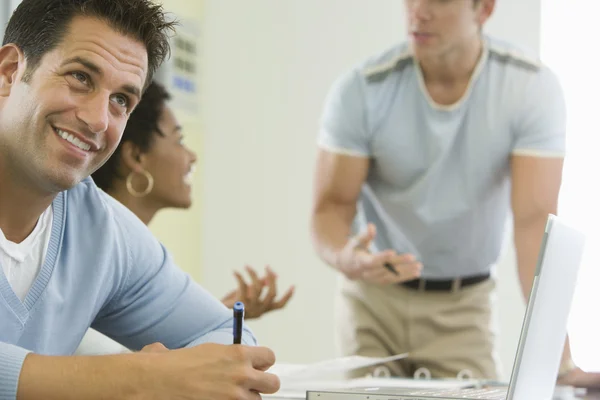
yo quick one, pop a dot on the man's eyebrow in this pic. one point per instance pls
(86, 63)
(96, 70)
(133, 90)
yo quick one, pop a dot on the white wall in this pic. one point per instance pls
(6, 9)
(578, 72)
(267, 67)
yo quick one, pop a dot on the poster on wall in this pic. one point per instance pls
(180, 73)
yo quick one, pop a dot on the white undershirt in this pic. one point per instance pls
(21, 262)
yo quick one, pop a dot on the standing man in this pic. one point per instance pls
(423, 151)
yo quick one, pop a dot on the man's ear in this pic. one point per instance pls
(487, 9)
(12, 67)
(131, 157)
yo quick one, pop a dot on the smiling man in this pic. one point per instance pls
(73, 106)
(71, 72)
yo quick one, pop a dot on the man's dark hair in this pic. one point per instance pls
(140, 130)
(39, 26)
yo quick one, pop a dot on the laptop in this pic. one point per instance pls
(542, 338)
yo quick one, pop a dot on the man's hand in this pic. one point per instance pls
(209, 372)
(251, 293)
(248, 363)
(357, 263)
(578, 378)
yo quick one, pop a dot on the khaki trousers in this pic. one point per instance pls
(445, 333)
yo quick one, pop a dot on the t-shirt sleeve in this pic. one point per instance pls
(540, 125)
(344, 119)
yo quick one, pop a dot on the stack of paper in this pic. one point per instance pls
(298, 391)
(296, 379)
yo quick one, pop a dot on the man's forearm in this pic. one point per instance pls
(528, 240)
(330, 232)
(111, 377)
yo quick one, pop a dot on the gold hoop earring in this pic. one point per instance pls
(148, 189)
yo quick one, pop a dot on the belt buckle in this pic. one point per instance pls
(456, 284)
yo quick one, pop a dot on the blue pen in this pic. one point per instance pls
(238, 322)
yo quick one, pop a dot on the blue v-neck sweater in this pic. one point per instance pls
(104, 269)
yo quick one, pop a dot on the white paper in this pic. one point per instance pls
(327, 368)
(296, 389)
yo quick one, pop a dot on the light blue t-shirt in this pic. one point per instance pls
(438, 183)
(104, 269)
